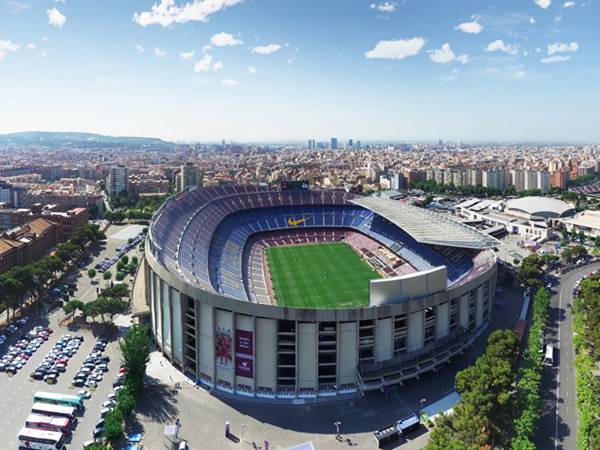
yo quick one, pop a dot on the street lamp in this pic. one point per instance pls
(244, 425)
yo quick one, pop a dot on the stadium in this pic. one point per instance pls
(289, 293)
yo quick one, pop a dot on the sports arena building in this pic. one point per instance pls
(216, 316)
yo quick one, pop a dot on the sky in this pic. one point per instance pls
(282, 70)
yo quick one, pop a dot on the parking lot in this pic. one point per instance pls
(16, 391)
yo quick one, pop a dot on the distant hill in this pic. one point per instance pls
(80, 141)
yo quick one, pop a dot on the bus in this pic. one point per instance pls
(45, 409)
(59, 399)
(50, 423)
(41, 439)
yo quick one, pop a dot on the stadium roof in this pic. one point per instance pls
(426, 226)
(540, 206)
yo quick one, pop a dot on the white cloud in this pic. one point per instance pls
(31, 46)
(469, 27)
(519, 73)
(55, 17)
(562, 47)
(207, 63)
(442, 55)
(544, 4)
(568, 4)
(187, 56)
(61, 1)
(385, 7)
(252, 70)
(167, 12)
(206, 48)
(555, 59)
(463, 59)
(266, 49)
(229, 82)
(139, 48)
(160, 53)
(7, 46)
(398, 49)
(500, 46)
(532, 20)
(453, 75)
(558, 18)
(225, 40)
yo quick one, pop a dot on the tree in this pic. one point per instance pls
(97, 446)
(485, 412)
(530, 271)
(597, 241)
(120, 265)
(572, 254)
(91, 273)
(119, 276)
(135, 350)
(107, 275)
(134, 260)
(10, 290)
(113, 426)
(66, 251)
(72, 306)
(125, 259)
(117, 291)
(125, 401)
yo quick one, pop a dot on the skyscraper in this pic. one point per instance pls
(334, 144)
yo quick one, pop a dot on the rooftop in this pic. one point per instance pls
(427, 227)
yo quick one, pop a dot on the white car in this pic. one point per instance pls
(85, 394)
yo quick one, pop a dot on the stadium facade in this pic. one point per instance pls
(214, 316)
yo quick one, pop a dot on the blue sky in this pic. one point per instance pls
(267, 70)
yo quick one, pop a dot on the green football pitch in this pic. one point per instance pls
(325, 276)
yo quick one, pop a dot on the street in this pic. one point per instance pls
(16, 392)
(558, 425)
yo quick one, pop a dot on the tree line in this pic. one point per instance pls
(30, 279)
(586, 324)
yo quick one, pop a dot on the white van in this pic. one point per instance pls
(549, 356)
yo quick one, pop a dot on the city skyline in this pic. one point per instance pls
(265, 71)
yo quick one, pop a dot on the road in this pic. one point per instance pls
(16, 392)
(558, 425)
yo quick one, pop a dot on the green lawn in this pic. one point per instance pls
(322, 276)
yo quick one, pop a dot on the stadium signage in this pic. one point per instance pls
(244, 353)
(223, 348)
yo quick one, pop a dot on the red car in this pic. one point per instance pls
(49, 330)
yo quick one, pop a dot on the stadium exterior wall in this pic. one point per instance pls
(267, 351)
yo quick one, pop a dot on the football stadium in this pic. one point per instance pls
(289, 293)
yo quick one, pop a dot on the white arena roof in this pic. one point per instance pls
(540, 206)
(426, 226)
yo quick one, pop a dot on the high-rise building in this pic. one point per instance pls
(531, 180)
(518, 179)
(350, 144)
(493, 178)
(474, 177)
(560, 179)
(117, 181)
(397, 181)
(334, 143)
(189, 176)
(543, 181)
